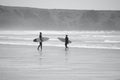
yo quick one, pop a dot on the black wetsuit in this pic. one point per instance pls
(40, 43)
(66, 42)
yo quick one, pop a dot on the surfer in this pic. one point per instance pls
(66, 41)
(40, 43)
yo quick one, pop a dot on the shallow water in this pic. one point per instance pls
(54, 63)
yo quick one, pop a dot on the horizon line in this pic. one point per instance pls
(58, 8)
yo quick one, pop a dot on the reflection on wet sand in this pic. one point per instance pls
(54, 63)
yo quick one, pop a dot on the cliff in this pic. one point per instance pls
(24, 18)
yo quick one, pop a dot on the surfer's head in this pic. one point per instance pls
(40, 33)
(66, 35)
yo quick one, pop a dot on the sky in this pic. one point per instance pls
(65, 4)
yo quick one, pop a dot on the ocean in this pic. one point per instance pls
(80, 39)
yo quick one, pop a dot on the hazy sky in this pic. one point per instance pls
(66, 4)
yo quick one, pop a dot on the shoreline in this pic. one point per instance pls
(82, 47)
(46, 48)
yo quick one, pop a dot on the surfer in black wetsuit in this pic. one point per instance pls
(66, 41)
(40, 43)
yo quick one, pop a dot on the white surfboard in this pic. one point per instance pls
(63, 40)
(38, 39)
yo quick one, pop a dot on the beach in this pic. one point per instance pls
(20, 62)
(89, 28)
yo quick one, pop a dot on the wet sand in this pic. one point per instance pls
(54, 63)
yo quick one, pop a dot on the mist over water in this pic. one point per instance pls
(80, 39)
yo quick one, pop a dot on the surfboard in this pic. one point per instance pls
(63, 40)
(43, 39)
